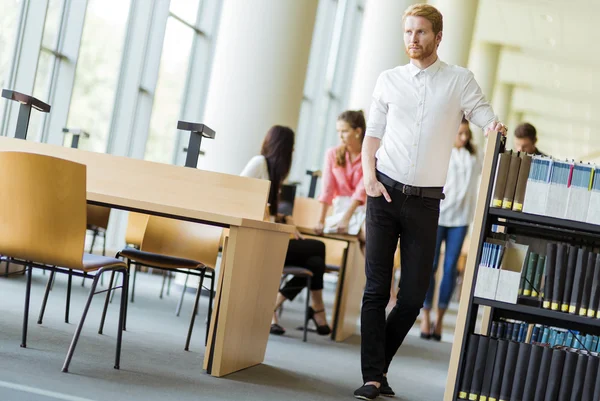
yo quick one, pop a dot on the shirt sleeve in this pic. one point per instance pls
(378, 111)
(473, 104)
(329, 188)
(359, 193)
(254, 168)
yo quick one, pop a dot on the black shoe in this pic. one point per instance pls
(425, 336)
(367, 392)
(436, 337)
(277, 329)
(385, 389)
(321, 330)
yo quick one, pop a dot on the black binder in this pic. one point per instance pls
(571, 266)
(582, 258)
(494, 330)
(498, 369)
(508, 375)
(587, 284)
(579, 379)
(555, 374)
(523, 358)
(549, 282)
(560, 273)
(467, 376)
(533, 370)
(489, 369)
(540, 388)
(591, 379)
(595, 297)
(567, 376)
(479, 369)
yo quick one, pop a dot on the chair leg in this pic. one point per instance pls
(65, 367)
(108, 296)
(6, 269)
(103, 254)
(210, 306)
(182, 295)
(169, 276)
(26, 311)
(45, 300)
(112, 295)
(193, 319)
(125, 293)
(162, 287)
(306, 308)
(96, 233)
(122, 317)
(68, 304)
(133, 283)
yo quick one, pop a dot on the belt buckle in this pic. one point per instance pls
(407, 190)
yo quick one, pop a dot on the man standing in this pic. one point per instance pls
(416, 111)
(526, 138)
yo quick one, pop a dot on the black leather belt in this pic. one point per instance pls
(425, 192)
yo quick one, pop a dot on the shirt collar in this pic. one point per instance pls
(431, 70)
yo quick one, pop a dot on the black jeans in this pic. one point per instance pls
(414, 220)
(307, 253)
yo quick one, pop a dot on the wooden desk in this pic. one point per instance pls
(252, 259)
(350, 286)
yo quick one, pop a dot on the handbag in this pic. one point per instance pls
(340, 205)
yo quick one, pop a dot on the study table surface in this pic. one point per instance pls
(249, 275)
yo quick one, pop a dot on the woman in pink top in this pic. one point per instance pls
(343, 177)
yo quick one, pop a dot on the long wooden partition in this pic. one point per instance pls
(352, 279)
(254, 255)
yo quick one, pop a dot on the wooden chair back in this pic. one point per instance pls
(136, 225)
(98, 216)
(43, 209)
(182, 239)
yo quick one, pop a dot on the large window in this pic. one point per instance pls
(46, 65)
(171, 84)
(98, 70)
(9, 19)
(327, 85)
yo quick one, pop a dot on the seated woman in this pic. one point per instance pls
(343, 179)
(274, 164)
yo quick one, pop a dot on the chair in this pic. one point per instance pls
(177, 246)
(299, 272)
(44, 226)
(97, 223)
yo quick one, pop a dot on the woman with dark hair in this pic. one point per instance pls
(274, 164)
(456, 213)
(343, 179)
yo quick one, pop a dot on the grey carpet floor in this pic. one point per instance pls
(155, 367)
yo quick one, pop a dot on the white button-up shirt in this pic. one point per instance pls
(416, 113)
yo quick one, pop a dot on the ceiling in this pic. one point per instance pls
(552, 57)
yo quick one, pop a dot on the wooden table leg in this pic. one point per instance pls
(349, 297)
(248, 285)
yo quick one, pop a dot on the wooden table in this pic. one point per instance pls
(252, 259)
(350, 286)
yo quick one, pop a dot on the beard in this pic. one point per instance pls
(421, 53)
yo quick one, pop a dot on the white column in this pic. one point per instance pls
(459, 22)
(258, 77)
(514, 119)
(502, 100)
(381, 47)
(483, 62)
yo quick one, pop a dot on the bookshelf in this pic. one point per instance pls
(538, 226)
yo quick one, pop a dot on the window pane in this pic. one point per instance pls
(97, 70)
(169, 91)
(40, 91)
(187, 10)
(8, 30)
(52, 22)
